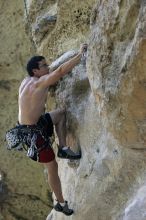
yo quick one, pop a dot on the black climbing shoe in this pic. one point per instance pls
(68, 154)
(64, 209)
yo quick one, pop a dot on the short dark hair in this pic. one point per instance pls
(33, 64)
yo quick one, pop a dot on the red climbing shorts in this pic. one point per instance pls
(46, 154)
(37, 137)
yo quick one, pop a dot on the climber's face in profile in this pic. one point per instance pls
(43, 69)
(37, 66)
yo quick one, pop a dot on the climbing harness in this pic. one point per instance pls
(23, 136)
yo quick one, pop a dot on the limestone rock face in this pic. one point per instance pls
(119, 64)
(105, 98)
(106, 118)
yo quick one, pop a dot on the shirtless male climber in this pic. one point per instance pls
(32, 97)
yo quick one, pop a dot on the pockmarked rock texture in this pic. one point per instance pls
(105, 99)
(67, 21)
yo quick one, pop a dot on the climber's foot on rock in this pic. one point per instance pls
(67, 153)
(64, 209)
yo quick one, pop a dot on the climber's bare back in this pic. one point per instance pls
(31, 101)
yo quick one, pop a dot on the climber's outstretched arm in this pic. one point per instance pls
(50, 79)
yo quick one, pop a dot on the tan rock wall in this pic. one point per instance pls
(111, 127)
(121, 69)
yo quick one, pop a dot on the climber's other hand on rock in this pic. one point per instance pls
(83, 48)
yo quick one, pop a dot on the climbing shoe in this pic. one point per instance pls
(67, 153)
(64, 209)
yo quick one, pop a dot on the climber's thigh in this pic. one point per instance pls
(57, 115)
(52, 166)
